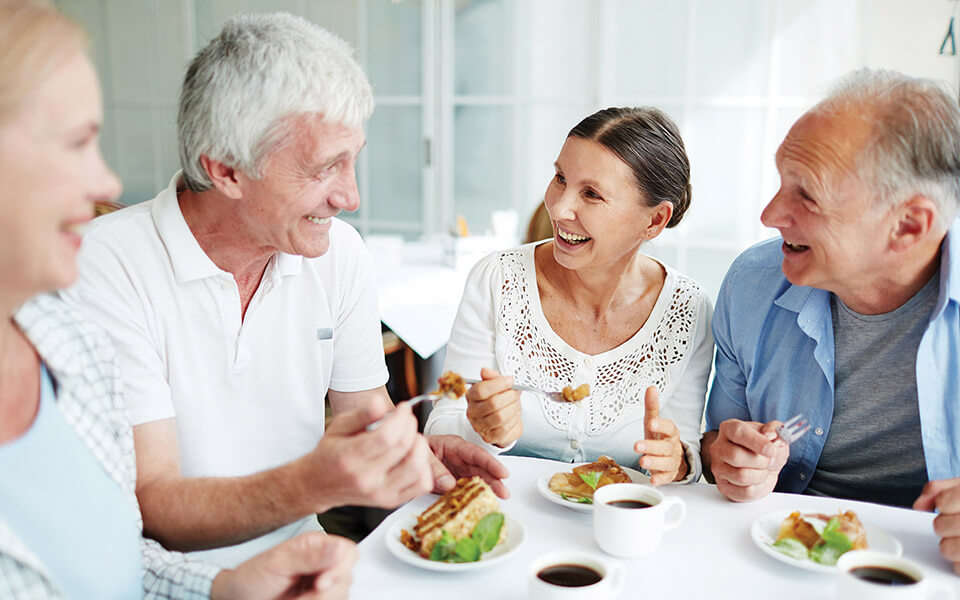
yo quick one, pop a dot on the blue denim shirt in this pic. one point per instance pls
(775, 358)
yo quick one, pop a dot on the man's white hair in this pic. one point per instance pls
(914, 145)
(243, 89)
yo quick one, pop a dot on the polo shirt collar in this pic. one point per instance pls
(189, 261)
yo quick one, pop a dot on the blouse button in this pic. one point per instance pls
(818, 431)
(588, 362)
(575, 445)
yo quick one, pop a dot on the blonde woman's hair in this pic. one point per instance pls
(35, 39)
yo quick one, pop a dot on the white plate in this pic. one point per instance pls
(510, 544)
(765, 530)
(543, 486)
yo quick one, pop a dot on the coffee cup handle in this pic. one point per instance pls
(616, 575)
(676, 510)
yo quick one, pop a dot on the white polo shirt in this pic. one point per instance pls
(247, 396)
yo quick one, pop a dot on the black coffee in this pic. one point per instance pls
(882, 575)
(630, 504)
(569, 575)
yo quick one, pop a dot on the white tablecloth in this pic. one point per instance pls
(711, 555)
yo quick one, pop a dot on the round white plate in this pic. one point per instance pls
(512, 543)
(765, 530)
(543, 486)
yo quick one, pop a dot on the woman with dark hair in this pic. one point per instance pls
(588, 307)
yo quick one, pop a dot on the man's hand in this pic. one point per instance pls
(944, 496)
(464, 459)
(312, 565)
(493, 408)
(745, 458)
(384, 467)
(661, 450)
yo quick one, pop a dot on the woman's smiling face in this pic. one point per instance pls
(599, 217)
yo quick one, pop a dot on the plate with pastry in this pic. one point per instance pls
(463, 530)
(815, 540)
(574, 488)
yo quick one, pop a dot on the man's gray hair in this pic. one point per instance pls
(241, 91)
(914, 146)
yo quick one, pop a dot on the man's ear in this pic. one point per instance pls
(916, 217)
(224, 178)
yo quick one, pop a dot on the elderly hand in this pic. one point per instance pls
(312, 565)
(746, 458)
(661, 450)
(384, 467)
(493, 408)
(944, 496)
(464, 459)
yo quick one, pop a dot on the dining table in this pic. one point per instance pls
(711, 554)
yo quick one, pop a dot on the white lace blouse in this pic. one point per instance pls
(500, 324)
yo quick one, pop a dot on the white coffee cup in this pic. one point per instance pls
(609, 585)
(852, 580)
(633, 532)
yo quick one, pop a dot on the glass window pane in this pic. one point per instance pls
(725, 162)
(483, 34)
(708, 267)
(561, 50)
(394, 163)
(651, 51)
(730, 56)
(393, 47)
(482, 163)
(816, 44)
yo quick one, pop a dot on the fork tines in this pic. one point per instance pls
(793, 429)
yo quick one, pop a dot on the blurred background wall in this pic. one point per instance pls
(475, 97)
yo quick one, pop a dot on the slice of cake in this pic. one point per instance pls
(574, 486)
(456, 512)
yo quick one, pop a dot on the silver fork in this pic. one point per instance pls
(793, 429)
(556, 396)
(412, 402)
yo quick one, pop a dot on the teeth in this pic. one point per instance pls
(573, 238)
(318, 221)
(77, 228)
(795, 247)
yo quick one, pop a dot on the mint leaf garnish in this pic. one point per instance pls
(591, 478)
(466, 550)
(487, 531)
(443, 548)
(792, 548)
(834, 538)
(580, 500)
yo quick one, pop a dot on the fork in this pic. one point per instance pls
(793, 429)
(411, 402)
(558, 396)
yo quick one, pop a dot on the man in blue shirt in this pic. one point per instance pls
(852, 317)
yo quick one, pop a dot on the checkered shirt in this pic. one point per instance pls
(82, 362)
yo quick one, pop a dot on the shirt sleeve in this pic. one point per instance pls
(472, 346)
(359, 364)
(685, 408)
(106, 294)
(728, 392)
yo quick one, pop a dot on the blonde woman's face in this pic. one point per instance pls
(51, 171)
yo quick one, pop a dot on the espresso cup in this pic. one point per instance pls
(573, 576)
(880, 576)
(629, 518)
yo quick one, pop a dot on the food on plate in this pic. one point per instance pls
(460, 526)
(575, 395)
(820, 537)
(451, 385)
(579, 485)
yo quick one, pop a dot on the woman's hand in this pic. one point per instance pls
(493, 408)
(661, 451)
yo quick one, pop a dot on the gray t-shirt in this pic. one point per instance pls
(874, 450)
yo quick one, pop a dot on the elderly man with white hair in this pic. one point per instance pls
(238, 301)
(852, 317)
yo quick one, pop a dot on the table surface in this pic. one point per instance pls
(710, 554)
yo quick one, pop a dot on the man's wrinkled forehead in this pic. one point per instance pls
(822, 140)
